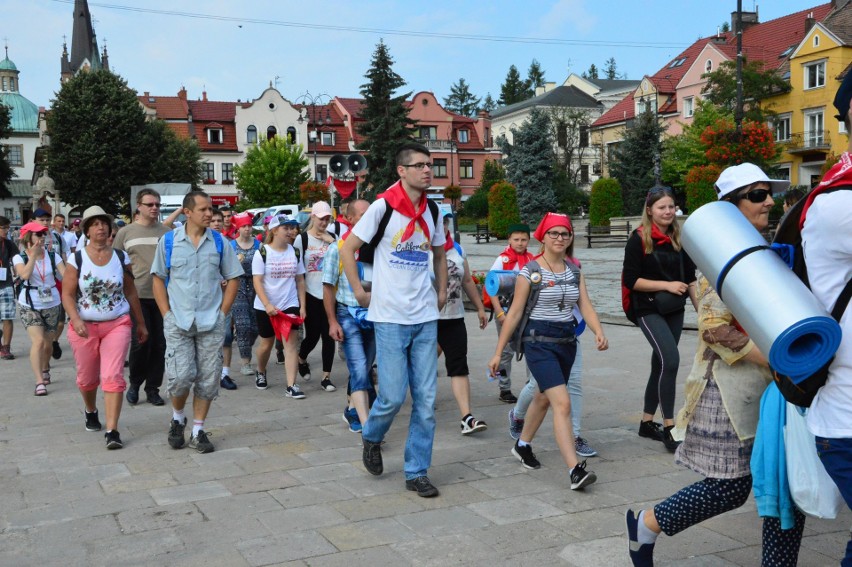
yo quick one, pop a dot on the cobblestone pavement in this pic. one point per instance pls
(285, 485)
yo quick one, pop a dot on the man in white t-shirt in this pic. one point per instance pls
(827, 243)
(403, 306)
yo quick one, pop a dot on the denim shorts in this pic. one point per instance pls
(550, 362)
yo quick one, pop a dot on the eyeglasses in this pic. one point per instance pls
(419, 165)
(150, 205)
(756, 196)
(556, 235)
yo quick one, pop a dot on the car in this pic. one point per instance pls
(291, 210)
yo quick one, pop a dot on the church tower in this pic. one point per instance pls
(84, 45)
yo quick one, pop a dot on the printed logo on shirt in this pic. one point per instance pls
(409, 255)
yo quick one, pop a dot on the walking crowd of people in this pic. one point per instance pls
(385, 284)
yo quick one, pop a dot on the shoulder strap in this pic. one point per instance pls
(304, 237)
(219, 240)
(78, 259)
(535, 287)
(383, 225)
(575, 269)
(262, 252)
(842, 302)
(234, 245)
(168, 244)
(433, 208)
(458, 248)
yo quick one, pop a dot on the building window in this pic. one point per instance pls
(584, 173)
(584, 136)
(251, 134)
(815, 75)
(816, 41)
(708, 66)
(322, 172)
(15, 155)
(466, 169)
(782, 172)
(5, 85)
(814, 134)
(487, 140)
(429, 132)
(464, 136)
(271, 132)
(439, 167)
(782, 128)
(8, 213)
(208, 171)
(327, 138)
(291, 135)
(562, 135)
(214, 136)
(688, 107)
(227, 172)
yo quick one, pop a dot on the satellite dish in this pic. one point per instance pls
(338, 164)
(357, 163)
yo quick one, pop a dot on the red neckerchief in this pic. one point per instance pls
(398, 200)
(840, 174)
(658, 237)
(344, 222)
(282, 323)
(510, 258)
(449, 243)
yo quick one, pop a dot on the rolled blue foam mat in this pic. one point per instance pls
(500, 282)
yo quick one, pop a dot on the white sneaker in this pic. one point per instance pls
(247, 370)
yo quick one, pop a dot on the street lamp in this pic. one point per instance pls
(313, 119)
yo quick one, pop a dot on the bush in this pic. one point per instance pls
(313, 191)
(453, 193)
(503, 208)
(568, 195)
(699, 186)
(605, 201)
(476, 206)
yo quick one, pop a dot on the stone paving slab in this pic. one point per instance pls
(286, 485)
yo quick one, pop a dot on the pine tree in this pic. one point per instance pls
(611, 69)
(461, 100)
(633, 160)
(592, 73)
(6, 172)
(535, 78)
(529, 167)
(513, 88)
(488, 104)
(386, 124)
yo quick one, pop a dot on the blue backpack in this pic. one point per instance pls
(169, 239)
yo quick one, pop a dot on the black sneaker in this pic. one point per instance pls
(57, 351)
(201, 442)
(155, 399)
(305, 371)
(227, 383)
(92, 421)
(260, 380)
(279, 356)
(372, 457)
(295, 392)
(507, 396)
(132, 395)
(668, 440)
(176, 438)
(525, 455)
(423, 486)
(327, 385)
(113, 440)
(581, 478)
(651, 430)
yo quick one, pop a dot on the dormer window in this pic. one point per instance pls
(464, 136)
(215, 134)
(327, 138)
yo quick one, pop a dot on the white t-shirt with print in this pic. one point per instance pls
(313, 260)
(454, 308)
(101, 288)
(279, 277)
(41, 279)
(402, 291)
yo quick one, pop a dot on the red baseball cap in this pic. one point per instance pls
(32, 227)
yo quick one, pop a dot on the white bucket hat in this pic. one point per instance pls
(742, 175)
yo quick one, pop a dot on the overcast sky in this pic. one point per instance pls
(233, 49)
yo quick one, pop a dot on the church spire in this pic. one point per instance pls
(84, 44)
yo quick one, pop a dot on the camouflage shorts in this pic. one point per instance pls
(47, 318)
(193, 358)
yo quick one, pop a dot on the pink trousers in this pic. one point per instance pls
(100, 356)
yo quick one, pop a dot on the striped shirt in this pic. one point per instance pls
(557, 290)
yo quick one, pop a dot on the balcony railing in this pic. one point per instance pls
(813, 141)
(439, 145)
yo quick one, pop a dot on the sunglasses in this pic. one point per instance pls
(756, 196)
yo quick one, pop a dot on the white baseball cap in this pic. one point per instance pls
(742, 175)
(321, 209)
(281, 220)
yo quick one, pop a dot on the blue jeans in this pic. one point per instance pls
(836, 457)
(575, 391)
(407, 361)
(359, 346)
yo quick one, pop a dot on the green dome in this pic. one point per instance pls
(24, 112)
(7, 65)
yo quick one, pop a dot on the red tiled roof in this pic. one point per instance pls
(166, 107)
(341, 134)
(213, 110)
(179, 128)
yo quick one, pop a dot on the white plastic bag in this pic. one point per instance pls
(814, 492)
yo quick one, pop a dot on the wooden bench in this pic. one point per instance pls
(616, 232)
(482, 233)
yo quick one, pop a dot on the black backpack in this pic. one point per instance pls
(19, 284)
(789, 238)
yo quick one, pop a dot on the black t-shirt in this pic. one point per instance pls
(7, 252)
(663, 264)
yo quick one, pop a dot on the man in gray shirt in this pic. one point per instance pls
(188, 268)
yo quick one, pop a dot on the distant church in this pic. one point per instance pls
(84, 45)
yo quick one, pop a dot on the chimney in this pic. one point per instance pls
(809, 22)
(182, 93)
(146, 94)
(204, 96)
(749, 19)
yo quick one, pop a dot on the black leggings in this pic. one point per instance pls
(316, 326)
(663, 333)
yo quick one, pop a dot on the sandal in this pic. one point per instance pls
(40, 390)
(45, 376)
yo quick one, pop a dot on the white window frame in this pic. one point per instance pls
(814, 140)
(251, 129)
(221, 132)
(329, 141)
(816, 41)
(464, 136)
(689, 107)
(807, 72)
(783, 119)
(708, 66)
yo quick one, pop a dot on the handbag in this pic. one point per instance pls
(813, 491)
(666, 302)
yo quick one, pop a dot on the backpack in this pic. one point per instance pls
(788, 243)
(169, 243)
(383, 223)
(19, 283)
(517, 341)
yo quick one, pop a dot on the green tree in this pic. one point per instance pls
(535, 78)
(488, 104)
(569, 126)
(592, 73)
(568, 196)
(272, 172)
(685, 151)
(529, 167)
(611, 70)
(513, 89)
(99, 141)
(758, 85)
(633, 160)
(477, 205)
(177, 160)
(386, 124)
(605, 201)
(461, 100)
(503, 208)
(6, 172)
